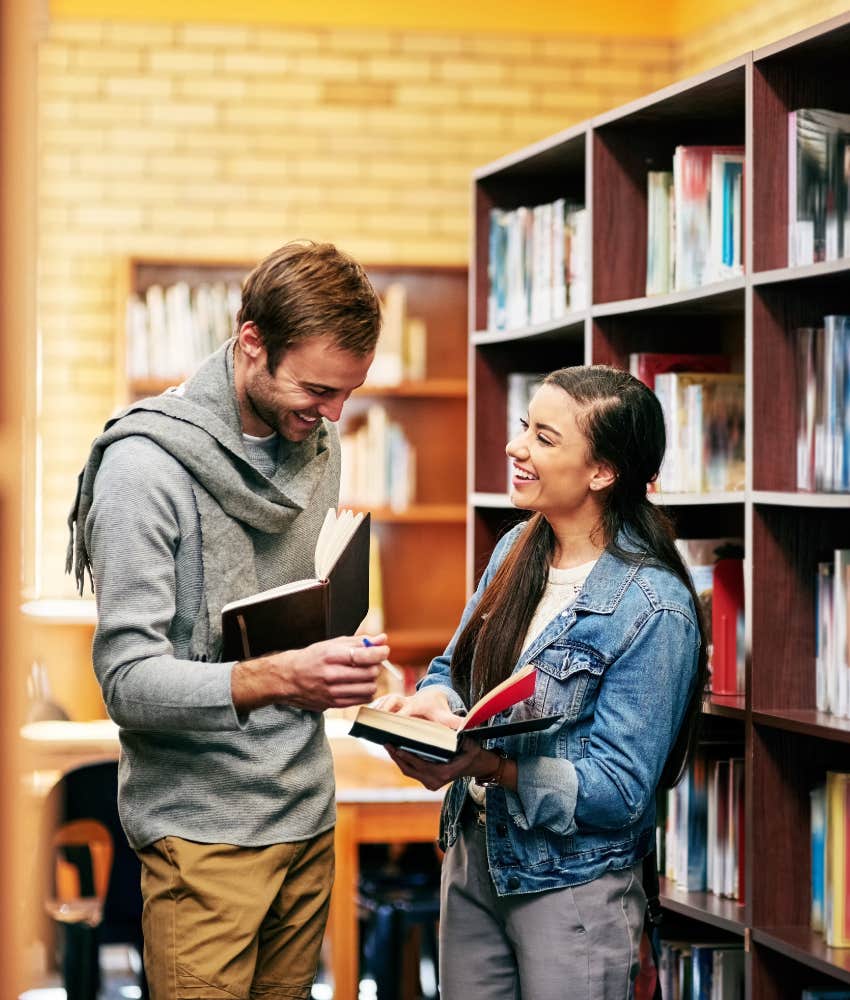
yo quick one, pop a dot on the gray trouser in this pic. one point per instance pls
(577, 943)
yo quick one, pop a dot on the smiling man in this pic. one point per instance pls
(190, 500)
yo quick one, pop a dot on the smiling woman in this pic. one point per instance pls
(593, 593)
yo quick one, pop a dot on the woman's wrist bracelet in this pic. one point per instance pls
(495, 779)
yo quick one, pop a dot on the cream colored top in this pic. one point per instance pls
(562, 588)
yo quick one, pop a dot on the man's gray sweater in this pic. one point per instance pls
(190, 767)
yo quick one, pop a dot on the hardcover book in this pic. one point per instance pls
(435, 741)
(297, 614)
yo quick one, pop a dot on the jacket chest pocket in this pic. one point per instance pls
(566, 677)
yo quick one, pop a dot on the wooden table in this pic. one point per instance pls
(376, 804)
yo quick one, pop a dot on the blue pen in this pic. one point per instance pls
(386, 663)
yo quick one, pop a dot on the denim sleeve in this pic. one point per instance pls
(439, 670)
(640, 706)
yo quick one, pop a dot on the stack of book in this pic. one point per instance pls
(830, 839)
(700, 836)
(823, 406)
(400, 355)
(537, 265)
(378, 464)
(694, 970)
(695, 218)
(171, 330)
(818, 185)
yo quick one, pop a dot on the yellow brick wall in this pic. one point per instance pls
(758, 25)
(223, 141)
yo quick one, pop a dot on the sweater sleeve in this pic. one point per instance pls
(142, 514)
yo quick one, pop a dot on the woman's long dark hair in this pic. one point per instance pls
(624, 426)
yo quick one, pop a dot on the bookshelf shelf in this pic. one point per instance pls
(778, 498)
(807, 722)
(824, 268)
(787, 745)
(446, 388)
(803, 945)
(570, 325)
(720, 297)
(419, 514)
(727, 706)
(703, 906)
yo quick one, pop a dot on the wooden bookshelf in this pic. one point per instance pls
(422, 546)
(787, 744)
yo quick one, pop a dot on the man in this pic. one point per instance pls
(206, 494)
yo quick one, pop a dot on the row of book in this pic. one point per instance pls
(818, 185)
(692, 970)
(832, 636)
(537, 263)
(830, 844)
(378, 463)
(695, 219)
(823, 406)
(401, 352)
(700, 834)
(703, 406)
(170, 330)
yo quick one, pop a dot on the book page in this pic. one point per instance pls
(513, 689)
(336, 531)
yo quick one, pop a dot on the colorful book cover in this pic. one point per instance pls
(835, 924)
(817, 798)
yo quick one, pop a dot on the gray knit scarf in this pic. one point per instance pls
(198, 424)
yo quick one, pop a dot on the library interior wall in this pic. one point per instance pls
(201, 140)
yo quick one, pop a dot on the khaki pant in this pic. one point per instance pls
(229, 922)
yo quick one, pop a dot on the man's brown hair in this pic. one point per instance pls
(306, 289)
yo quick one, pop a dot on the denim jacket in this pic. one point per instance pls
(619, 665)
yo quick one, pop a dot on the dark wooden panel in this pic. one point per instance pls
(488, 527)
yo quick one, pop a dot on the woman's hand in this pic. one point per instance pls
(429, 703)
(472, 761)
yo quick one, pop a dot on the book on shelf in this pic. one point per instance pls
(435, 741)
(814, 994)
(717, 970)
(645, 365)
(537, 263)
(817, 815)
(699, 208)
(704, 419)
(823, 406)
(302, 612)
(378, 463)
(172, 328)
(832, 635)
(836, 909)
(727, 626)
(521, 386)
(659, 232)
(401, 351)
(818, 185)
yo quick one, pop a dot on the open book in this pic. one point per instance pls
(434, 741)
(297, 614)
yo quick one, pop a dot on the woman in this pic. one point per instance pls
(545, 833)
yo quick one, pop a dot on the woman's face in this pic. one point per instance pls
(552, 470)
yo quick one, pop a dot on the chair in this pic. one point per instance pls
(400, 907)
(94, 892)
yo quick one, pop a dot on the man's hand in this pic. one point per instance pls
(429, 703)
(336, 673)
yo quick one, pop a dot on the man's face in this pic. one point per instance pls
(313, 380)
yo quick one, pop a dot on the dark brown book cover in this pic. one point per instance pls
(304, 612)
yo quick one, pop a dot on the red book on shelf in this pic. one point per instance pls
(646, 365)
(727, 603)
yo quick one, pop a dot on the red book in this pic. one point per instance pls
(727, 603)
(646, 365)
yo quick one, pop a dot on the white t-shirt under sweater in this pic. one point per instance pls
(562, 588)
